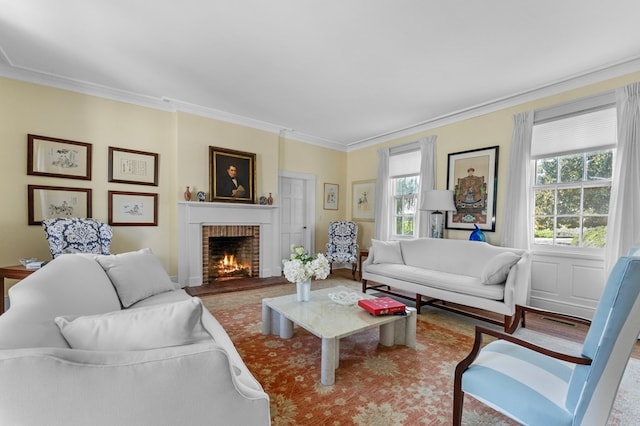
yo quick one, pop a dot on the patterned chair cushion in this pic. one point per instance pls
(342, 245)
(77, 235)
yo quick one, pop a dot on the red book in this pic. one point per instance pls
(382, 306)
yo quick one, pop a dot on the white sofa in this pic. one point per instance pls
(71, 355)
(470, 273)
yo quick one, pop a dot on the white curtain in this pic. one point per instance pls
(623, 229)
(383, 197)
(516, 226)
(427, 179)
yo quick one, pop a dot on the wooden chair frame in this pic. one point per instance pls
(519, 317)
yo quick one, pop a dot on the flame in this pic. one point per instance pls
(229, 265)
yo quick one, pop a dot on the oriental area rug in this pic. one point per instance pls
(375, 385)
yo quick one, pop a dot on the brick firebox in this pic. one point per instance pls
(252, 231)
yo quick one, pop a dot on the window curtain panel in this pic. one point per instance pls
(427, 180)
(516, 225)
(383, 197)
(623, 228)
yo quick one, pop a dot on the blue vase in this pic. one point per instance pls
(477, 235)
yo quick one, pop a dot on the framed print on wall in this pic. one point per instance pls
(46, 202)
(133, 208)
(363, 200)
(58, 158)
(232, 175)
(473, 177)
(130, 166)
(331, 196)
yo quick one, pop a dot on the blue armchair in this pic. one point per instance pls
(538, 386)
(343, 246)
(77, 235)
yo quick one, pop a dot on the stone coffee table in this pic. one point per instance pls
(331, 321)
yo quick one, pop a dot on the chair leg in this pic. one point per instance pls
(458, 399)
(354, 267)
(458, 402)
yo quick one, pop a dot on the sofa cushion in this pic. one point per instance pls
(437, 279)
(386, 251)
(496, 270)
(150, 327)
(136, 275)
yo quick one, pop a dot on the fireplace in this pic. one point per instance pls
(201, 224)
(230, 251)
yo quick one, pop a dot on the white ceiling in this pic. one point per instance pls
(341, 73)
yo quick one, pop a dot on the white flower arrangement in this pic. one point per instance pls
(302, 266)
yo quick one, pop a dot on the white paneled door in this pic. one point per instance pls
(296, 211)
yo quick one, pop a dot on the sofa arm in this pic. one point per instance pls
(191, 384)
(516, 289)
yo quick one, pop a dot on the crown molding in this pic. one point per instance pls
(9, 70)
(78, 86)
(576, 81)
(216, 114)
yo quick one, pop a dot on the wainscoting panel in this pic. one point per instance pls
(566, 282)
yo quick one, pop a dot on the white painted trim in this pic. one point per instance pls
(7, 69)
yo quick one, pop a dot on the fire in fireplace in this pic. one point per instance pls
(232, 256)
(230, 252)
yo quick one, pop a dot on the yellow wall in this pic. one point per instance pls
(329, 166)
(483, 131)
(182, 140)
(28, 108)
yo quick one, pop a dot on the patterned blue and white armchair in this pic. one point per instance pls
(343, 246)
(77, 235)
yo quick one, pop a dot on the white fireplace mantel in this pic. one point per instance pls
(192, 216)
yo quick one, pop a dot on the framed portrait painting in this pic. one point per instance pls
(47, 202)
(133, 208)
(331, 196)
(232, 175)
(363, 200)
(130, 166)
(55, 157)
(473, 177)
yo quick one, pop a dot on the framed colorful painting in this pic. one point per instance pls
(473, 177)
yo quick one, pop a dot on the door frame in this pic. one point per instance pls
(310, 194)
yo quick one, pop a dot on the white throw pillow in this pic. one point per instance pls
(136, 275)
(386, 252)
(150, 327)
(497, 269)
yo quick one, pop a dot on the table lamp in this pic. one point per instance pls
(438, 201)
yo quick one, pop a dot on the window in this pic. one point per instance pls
(573, 157)
(405, 197)
(404, 175)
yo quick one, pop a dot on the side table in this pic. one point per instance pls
(363, 253)
(16, 272)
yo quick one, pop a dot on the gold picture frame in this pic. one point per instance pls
(331, 196)
(232, 175)
(363, 200)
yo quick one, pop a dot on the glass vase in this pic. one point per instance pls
(303, 290)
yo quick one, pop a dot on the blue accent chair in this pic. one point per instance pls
(77, 235)
(537, 386)
(343, 246)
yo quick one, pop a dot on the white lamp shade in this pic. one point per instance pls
(438, 200)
